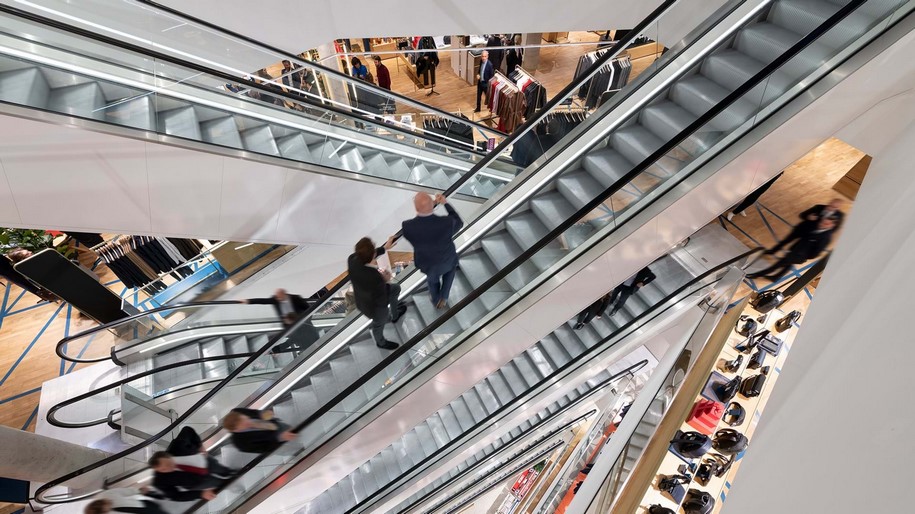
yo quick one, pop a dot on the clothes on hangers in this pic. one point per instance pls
(436, 127)
(534, 92)
(139, 261)
(550, 131)
(506, 101)
(611, 77)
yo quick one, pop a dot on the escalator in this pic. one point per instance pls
(51, 66)
(506, 253)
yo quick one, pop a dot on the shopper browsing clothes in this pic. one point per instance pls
(256, 431)
(359, 69)
(433, 244)
(617, 298)
(184, 472)
(375, 295)
(483, 77)
(809, 239)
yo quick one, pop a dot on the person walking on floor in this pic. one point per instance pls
(125, 499)
(483, 77)
(376, 297)
(809, 239)
(813, 215)
(256, 431)
(618, 297)
(433, 244)
(382, 73)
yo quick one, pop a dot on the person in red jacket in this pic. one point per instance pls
(382, 73)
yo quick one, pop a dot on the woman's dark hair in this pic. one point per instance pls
(355, 61)
(365, 250)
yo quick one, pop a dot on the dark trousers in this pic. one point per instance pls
(482, 89)
(778, 269)
(439, 279)
(619, 297)
(386, 313)
(590, 312)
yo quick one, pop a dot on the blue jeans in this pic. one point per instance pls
(439, 278)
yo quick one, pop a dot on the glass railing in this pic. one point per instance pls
(559, 246)
(197, 41)
(64, 69)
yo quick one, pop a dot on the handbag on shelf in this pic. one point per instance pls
(691, 444)
(767, 301)
(673, 486)
(729, 441)
(658, 509)
(752, 386)
(728, 391)
(786, 322)
(746, 326)
(756, 361)
(734, 414)
(698, 502)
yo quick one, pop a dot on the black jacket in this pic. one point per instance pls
(817, 210)
(807, 244)
(431, 237)
(258, 441)
(299, 304)
(645, 276)
(183, 486)
(368, 285)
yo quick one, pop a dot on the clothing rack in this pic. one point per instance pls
(141, 261)
(610, 78)
(534, 91)
(445, 129)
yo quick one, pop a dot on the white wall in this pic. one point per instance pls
(838, 434)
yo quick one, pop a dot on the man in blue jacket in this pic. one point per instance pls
(433, 247)
(483, 77)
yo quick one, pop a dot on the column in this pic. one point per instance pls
(531, 55)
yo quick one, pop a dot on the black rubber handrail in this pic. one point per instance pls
(662, 151)
(612, 51)
(320, 67)
(250, 83)
(114, 324)
(505, 448)
(52, 412)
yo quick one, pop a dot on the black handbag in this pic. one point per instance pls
(691, 444)
(746, 326)
(673, 486)
(732, 366)
(752, 386)
(713, 464)
(729, 441)
(657, 509)
(698, 502)
(767, 301)
(727, 392)
(785, 323)
(771, 344)
(756, 361)
(734, 414)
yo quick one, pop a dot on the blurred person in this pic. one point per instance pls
(256, 431)
(376, 297)
(125, 499)
(433, 244)
(809, 239)
(617, 298)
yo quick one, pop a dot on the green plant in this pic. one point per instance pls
(32, 240)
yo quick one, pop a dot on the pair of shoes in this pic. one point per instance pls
(730, 216)
(579, 326)
(387, 345)
(401, 309)
(476, 110)
(441, 304)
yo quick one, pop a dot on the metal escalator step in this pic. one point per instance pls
(369, 479)
(636, 143)
(579, 187)
(439, 432)
(552, 208)
(502, 249)
(424, 436)
(487, 396)
(730, 68)
(180, 122)
(527, 229)
(698, 94)
(801, 16)
(411, 323)
(26, 86)
(86, 100)
(500, 388)
(391, 467)
(139, 112)
(474, 405)
(414, 448)
(570, 340)
(294, 147)
(667, 119)
(214, 348)
(554, 351)
(427, 313)
(765, 41)
(221, 131)
(260, 140)
(527, 369)
(367, 355)
(462, 413)
(450, 422)
(514, 380)
(400, 454)
(477, 267)
(540, 362)
(606, 165)
(420, 174)
(376, 165)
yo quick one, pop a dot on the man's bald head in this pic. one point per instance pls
(423, 203)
